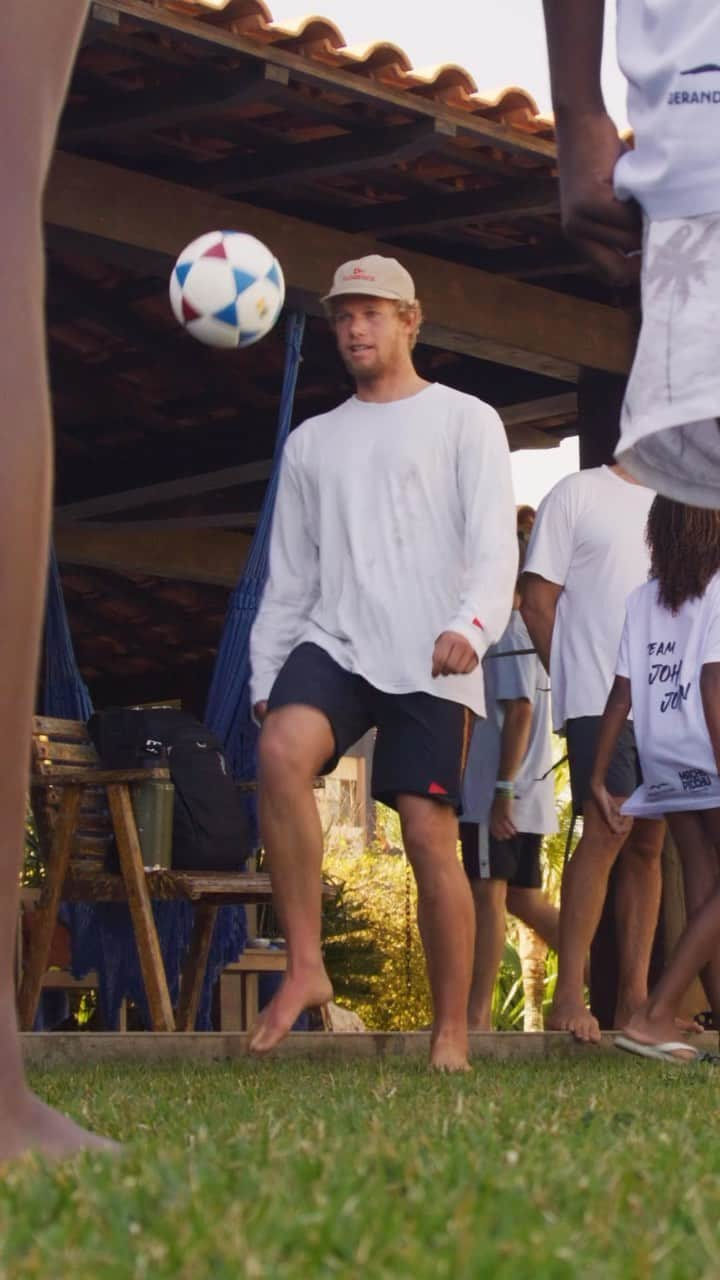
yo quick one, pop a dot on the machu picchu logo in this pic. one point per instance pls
(700, 71)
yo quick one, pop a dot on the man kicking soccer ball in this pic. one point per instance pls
(392, 565)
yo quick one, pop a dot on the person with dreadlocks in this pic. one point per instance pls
(668, 670)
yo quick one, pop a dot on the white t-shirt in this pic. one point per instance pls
(394, 522)
(670, 52)
(662, 655)
(510, 675)
(589, 539)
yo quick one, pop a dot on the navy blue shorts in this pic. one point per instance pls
(516, 860)
(623, 774)
(421, 744)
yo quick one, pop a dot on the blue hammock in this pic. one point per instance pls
(228, 712)
(102, 935)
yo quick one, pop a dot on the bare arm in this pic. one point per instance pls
(538, 608)
(710, 694)
(617, 710)
(513, 749)
(605, 228)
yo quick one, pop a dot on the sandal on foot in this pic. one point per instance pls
(669, 1051)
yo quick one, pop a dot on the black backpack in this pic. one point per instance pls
(210, 826)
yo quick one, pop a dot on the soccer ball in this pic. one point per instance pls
(227, 289)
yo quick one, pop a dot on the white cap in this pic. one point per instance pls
(375, 276)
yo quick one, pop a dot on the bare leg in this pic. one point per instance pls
(700, 876)
(294, 744)
(655, 1022)
(446, 919)
(42, 36)
(583, 894)
(489, 900)
(636, 912)
(536, 910)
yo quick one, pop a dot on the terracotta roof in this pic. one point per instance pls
(316, 37)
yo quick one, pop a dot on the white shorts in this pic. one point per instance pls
(670, 438)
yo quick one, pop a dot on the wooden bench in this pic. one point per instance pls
(78, 807)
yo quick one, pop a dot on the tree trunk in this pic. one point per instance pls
(533, 954)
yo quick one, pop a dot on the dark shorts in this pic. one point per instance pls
(623, 775)
(422, 742)
(516, 860)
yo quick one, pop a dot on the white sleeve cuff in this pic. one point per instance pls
(474, 632)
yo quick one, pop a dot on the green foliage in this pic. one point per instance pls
(352, 956)
(33, 870)
(379, 891)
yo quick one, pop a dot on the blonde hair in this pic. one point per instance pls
(403, 309)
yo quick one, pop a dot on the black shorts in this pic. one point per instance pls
(516, 860)
(623, 774)
(422, 741)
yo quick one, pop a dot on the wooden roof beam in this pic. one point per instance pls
(165, 491)
(193, 555)
(475, 312)
(521, 199)
(344, 153)
(196, 96)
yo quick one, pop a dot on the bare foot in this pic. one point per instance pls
(576, 1019)
(32, 1126)
(296, 993)
(449, 1052)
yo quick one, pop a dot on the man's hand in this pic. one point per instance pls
(604, 228)
(502, 826)
(260, 711)
(453, 655)
(619, 823)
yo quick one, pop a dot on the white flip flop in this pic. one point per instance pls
(677, 1051)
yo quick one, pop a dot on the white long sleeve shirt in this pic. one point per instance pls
(394, 522)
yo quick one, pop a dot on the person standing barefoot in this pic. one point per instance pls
(38, 45)
(587, 552)
(392, 565)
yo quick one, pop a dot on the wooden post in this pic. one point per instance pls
(600, 397)
(133, 872)
(47, 910)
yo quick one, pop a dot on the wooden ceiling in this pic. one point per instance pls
(182, 118)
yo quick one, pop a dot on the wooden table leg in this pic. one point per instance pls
(47, 909)
(193, 974)
(133, 872)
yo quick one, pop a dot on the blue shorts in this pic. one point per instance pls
(623, 774)
(422, 742)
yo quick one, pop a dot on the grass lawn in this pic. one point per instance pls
(592, 1168)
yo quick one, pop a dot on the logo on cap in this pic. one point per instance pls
(358, 273)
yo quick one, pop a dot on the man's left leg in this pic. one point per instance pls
(636, 913)
(446, 919)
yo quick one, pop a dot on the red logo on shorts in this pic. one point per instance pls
(477, 623)
(436, 790)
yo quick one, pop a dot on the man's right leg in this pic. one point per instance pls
(295, 743)
(583, 894)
